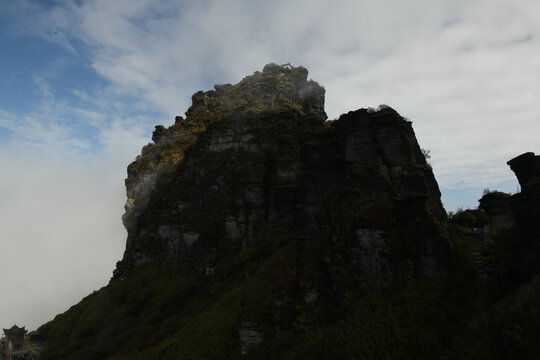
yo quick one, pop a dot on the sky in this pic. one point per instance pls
(83, 83)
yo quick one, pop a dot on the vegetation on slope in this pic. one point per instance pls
(173, 310)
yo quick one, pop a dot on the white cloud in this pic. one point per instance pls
(60, 221)
(61, 233)
(62, 199)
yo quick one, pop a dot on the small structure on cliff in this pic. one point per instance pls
(20, 344)
(15, 338)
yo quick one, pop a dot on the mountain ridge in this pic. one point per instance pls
(258, 229)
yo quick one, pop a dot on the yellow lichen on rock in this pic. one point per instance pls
(277, 88)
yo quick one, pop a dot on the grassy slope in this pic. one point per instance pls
(173, 310)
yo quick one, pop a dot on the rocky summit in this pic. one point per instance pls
(259, 155)
(258, 229)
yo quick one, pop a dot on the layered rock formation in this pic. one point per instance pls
(277, 88)
(259, 155)
(258, 229)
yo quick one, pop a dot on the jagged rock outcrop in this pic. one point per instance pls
(277, 88)
(513, 320)
(517, 245)
(526, 204)
(260, 155)
(258, 229)
(496, 205)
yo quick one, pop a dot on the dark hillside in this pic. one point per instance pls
(257, 229)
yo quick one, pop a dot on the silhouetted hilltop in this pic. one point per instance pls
(257, 229)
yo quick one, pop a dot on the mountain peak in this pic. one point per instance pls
(276, 88)
(257, 230)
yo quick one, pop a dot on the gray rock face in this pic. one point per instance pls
(278, 88)
(138, 196)
(249, 336)
(308, 93)
(382, 149)
(371, 257)
(361, 179)
(236, 137)
(311, 297)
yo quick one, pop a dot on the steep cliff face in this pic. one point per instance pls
(254, 224)
(526, 204)
(259, 155)
(515, 227)
(276, 89)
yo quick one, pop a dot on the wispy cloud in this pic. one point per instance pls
(30, 17)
